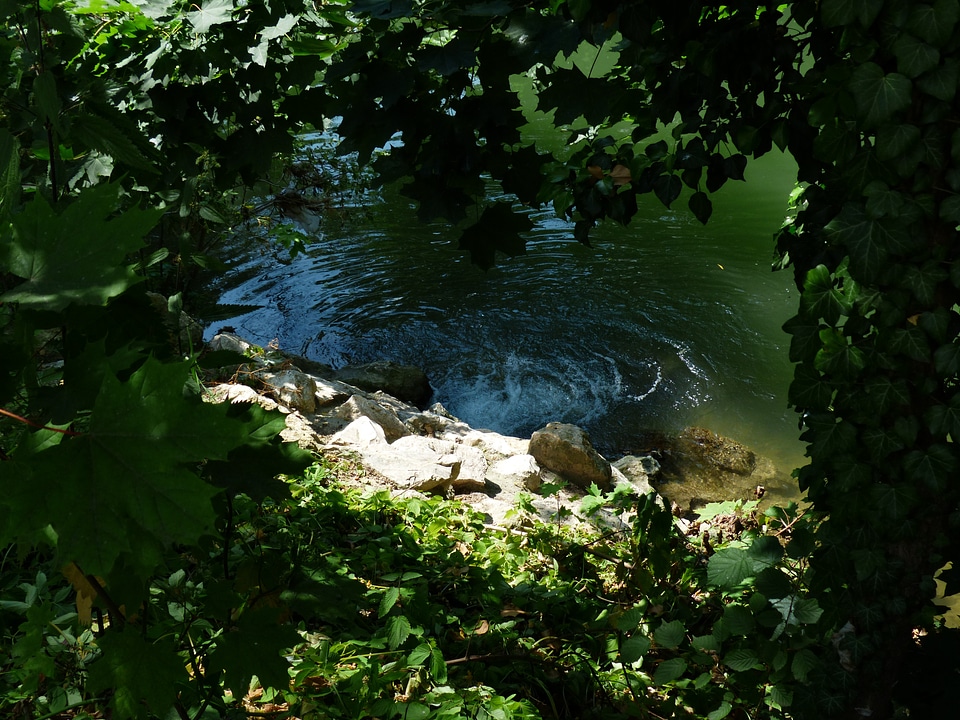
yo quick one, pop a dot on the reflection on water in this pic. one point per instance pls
(663, 324)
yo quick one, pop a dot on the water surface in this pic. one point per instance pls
(661, 325)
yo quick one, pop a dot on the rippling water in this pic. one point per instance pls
(663, 324)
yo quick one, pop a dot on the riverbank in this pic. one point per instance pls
(376, 413)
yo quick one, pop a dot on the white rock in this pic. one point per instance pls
(361, 433)
(358, 406)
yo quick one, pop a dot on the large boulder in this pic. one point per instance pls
(567, 450)
(292, 388)
(358, 406)
(403, 382)
(426, 464)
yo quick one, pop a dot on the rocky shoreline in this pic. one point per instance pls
(375, 413)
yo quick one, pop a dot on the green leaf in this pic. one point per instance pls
(741, 660)
(914, 57)
(670, 634)
(821, 298)
(389, 600)
(930, 467)
(809, 390)
(418, 656)
(500, 227)
(844, 12)
(9, 173)
(134, 470)
(721, 712)
(283, 26)
(934, 23)
(766, 550)
(48, 101)
(398, 630)
(257, 646)
(104, 135)
(729, 567)
(946, 360)
(803, 663)
(894, 502)
(212, 12)
(634, 648)
(941, 82)
(879, 95)
(667, 188)
(629, 620)
(669, 670)
(945, 419)
(805, 343)
(701, 206)
(738, 620)
(895, 140)
(77, 256)
(880, 443)
(142, 676)
(912, 342)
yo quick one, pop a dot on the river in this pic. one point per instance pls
(664, 324)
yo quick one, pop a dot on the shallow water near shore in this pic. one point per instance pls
(659, 326)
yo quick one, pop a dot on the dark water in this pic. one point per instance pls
(661, 325)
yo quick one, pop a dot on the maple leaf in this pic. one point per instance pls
(76, 256)
(129, 486)
(255, 647)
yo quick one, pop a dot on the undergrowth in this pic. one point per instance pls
(414, 608)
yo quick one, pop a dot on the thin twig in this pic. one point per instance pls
(31, 423)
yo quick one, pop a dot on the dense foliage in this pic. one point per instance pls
(129, 132)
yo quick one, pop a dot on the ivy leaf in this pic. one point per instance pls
(143, 676)
(946, 360)
(894, 140)
(821, 298)
(212, 12)
(931, 466)
(894, 502)
(77, 256)
(880, 443)
(844, 12)
(805, 343)
(256, 647)
(934, 23)
(914, 57)
(941, 82)
(809, 390)
(912, 342)
(879, 95)
(945, 419)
